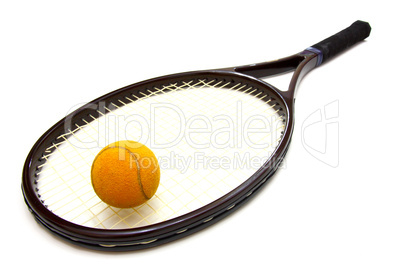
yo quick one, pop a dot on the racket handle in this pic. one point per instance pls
(339, 42)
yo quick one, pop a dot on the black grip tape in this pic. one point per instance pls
(339, 42)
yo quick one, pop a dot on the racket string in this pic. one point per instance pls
(180, 192)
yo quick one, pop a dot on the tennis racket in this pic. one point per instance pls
(219, 135)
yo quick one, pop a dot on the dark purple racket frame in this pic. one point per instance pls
(160, 233)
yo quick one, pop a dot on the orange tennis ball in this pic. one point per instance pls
(125, 174)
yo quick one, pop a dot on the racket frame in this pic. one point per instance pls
(163, 232)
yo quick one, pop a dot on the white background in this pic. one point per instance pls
(55, 55)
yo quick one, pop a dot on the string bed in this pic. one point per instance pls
(209, 137)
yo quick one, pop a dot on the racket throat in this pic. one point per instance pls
(310, 62)
(271, 68)
(300, 63)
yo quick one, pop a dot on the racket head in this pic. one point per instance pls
(170, 229)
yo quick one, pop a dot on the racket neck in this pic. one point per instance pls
(309, 62)
(270, 68)
(300, 63)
